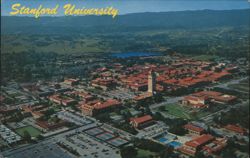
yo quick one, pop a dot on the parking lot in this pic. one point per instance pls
(43, 151)
(73, 118)
(90, 147)
(120, 94)
(90, 140)
(8, 135)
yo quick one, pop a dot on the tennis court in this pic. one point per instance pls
(118, 141)
(105, 136)
(94, 131)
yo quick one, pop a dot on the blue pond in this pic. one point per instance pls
(174, 144)
(134, 54)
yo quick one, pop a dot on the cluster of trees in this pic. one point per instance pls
(28, 138)
(103, 117)
(175, 125)
(129, 151)
(126, 127)
(148, 145)
(242, 117)
(22, 66)
(47, 115)
(232, 147)
(16, 116)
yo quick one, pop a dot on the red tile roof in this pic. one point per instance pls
(194, 98)
(235, 128)
(143, 96)
(201, 140)
(108, 103)
(189, 152)
(142, 119)
(193, 128)
(207, 93)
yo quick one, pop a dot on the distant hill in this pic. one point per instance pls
(124, 23)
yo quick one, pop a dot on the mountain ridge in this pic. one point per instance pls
(124, 23)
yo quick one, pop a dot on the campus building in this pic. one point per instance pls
(97, 107)
(236, 129)
(203, 98)
(192, 129)
(63, 100)
(142, 122)
(207, 144)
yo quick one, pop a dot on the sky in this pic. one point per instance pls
(135, 6)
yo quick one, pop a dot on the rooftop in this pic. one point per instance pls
(201, 140)
(142, 119)
(193, 128)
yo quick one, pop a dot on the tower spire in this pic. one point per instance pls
(151, 81)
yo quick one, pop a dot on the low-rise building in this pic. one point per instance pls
(62, 100)
(203, 98)
(104, 83)
(97, 107)
(205, 143)
(236, 129)
(47, 126)
(71, 81)
(143, 97)
(195, 102)
(142, 122)
(192, 129)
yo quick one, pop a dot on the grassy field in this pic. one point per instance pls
(51, 44)
(144, 153)
(30, 129)
(176, 110)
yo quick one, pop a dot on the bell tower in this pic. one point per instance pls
(151, 81)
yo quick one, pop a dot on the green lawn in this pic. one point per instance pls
(176, 110)
(34, 132)
(144, 153)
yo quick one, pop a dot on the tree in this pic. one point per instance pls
(129, 151)
(158, 98)
(158, 116)
(103, 117)
(200, 155)
(26, 136)
(149, 145)
(176, 126)
(167, 152)
(162, 108)
(49, 112)
(40, 137)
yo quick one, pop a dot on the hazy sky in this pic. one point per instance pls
(135, 6)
